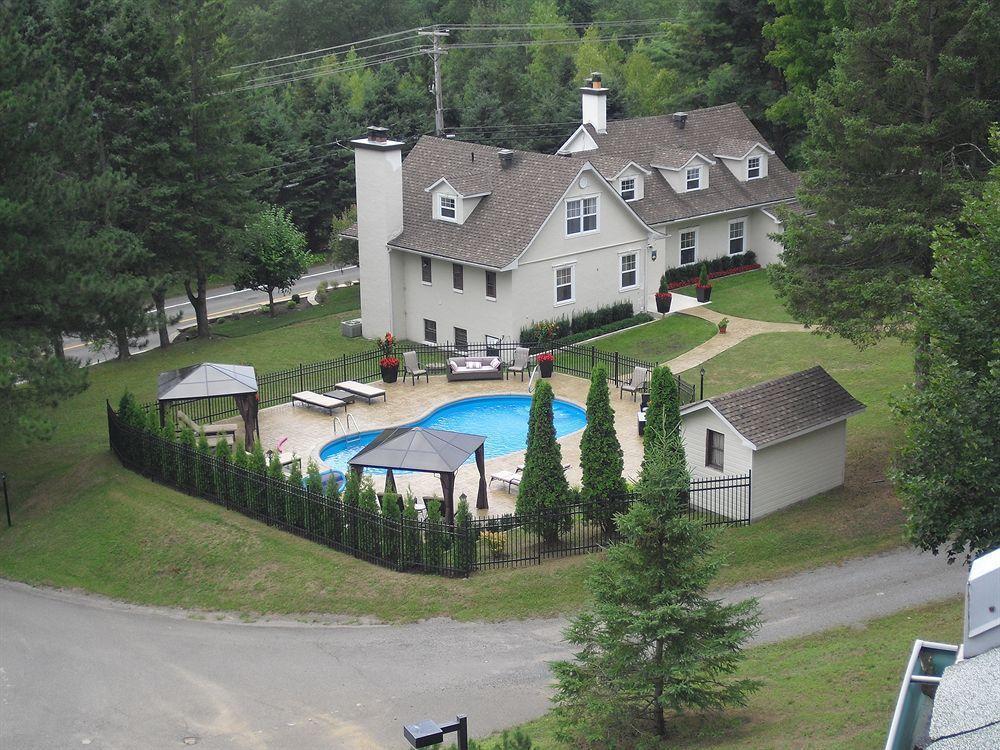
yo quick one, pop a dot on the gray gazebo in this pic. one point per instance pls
(431, 451)
(210, 380)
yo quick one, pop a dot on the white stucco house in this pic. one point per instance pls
(460, 241)
(790, 433)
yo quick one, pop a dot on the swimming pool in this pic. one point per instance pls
(502, 419)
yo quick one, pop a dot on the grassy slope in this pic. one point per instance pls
(83, 521)
(338, 301)
(661, 340)
(745, 295)
(832, 691)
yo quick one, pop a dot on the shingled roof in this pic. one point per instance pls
(649, 140)
(776, 410)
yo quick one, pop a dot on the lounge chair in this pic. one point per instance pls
(214, 432)
(413, 368)
(637, 384)
(520, 363)
(311, 398)
(513, 478)
(368, 392)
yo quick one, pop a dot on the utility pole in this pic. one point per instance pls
(436, 51)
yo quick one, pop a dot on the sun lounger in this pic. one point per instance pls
(513, 478)
(310, 398)
(368, 392)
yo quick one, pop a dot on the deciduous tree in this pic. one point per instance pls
(272, 254)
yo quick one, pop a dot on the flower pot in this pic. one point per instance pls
(390, 374)
(704, 293)
(663, 303)
(546, 368)
(722, 329)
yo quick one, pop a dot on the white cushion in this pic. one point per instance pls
(494, 363)
(453, 365)
(473, 365)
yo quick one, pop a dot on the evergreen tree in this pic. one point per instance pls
(946, 472)
(663, 412)
(316, 512)
(203, 465)
(370, 517)
(295, 508)
(411, 533)
(242, 489)
(335, 527)
(434, 536)
(352, 497)
(465, 549)
(895, 140)
(601, 458)
(391, 515)
(653, 642)
(275, 494)
(186, 467)
(223, 475)
(543, 495)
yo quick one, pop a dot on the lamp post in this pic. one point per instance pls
(427, 732)
(702, 395)
(6, 500)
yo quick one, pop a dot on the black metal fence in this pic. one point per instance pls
(402, 544)
(277, 387)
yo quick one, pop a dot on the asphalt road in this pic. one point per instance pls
(78, 671)
(221, 300)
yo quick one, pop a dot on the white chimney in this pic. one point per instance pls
(378, 178)
(595, 103)
(982, 606)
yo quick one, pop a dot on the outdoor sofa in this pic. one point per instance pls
(474, 368)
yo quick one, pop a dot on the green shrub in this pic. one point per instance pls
(546, 332)
(411, 532)
(335, 521)
(185, 460)
(296, 299)
(684, 273)
(295, 502)
(371, 518)
(601, 458)
(291, 305)
(275, 489)
(203, 478)
(703, 275)
(543, 495)
(221, 474)
(434, 535)
(352, 495)
(465, 549)
(391, 515)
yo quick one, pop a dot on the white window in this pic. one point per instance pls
(628, 188)
(629, 275)
(694, 178)
(753, 167)
(737, 236)
(564, 285)
(430, 331)
(581, 215)
(446, 207)
(689, 246)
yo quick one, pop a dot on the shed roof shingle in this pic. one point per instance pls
(772, 411)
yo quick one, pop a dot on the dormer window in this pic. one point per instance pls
(693, 181)
(753, 168)
(628, 188)
(581, 215)
(446, 207)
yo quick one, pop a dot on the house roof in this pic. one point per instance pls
(779, 409)
(737, 148)
(964, 715)
(713, 130)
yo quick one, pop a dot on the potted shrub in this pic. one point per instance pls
(545, 363)
(723, 325)
(389, 362)
(703, 290)
(663, 296)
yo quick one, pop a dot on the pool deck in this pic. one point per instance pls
(308, 430)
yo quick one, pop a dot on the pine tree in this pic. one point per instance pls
(601, 458)
(391, 515)
(352, 497)
(335, 527)
(663, 412)
(653, 642)
(434, 542)
(411, 533)
(543, 495)
(370, 517)
(465, 549)
(223, 469)
(295, 509)
(895, 140)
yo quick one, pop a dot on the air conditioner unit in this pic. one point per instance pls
(982, 606)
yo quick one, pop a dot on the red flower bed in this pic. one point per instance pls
(715, 275)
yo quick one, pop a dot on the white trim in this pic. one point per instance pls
(556, 302)
(597, 216)
(730, 238)
(438, 208)
(771, 216)
(635, 187)
(455, 190)
(706, 404)
(680, 249)
(695, 155)
(687, 179)
(590, 146)
(760, 168)
(622, 254)
(635, 164)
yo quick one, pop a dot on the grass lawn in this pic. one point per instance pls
(831, 691)
(83, 521)
(342, 299)
(661, 340)
(745, 295)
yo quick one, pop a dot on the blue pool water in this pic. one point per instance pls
(502, 419)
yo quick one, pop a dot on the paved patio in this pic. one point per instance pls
(308, 430)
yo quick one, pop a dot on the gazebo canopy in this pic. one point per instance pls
(205, 381)
(433, 451)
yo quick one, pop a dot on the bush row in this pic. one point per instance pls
(689, 274)
(716, 275)
(549, 331)
(609, 328)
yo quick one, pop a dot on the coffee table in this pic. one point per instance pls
(347, 398)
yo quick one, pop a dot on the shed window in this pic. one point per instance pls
(715, 445)
(430, 331)
(425, 270)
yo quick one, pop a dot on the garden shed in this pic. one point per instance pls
(789, 433)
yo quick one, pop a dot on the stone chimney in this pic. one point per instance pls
(595, 103)
(378, 178)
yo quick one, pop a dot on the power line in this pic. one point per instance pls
(325, 50)
(548, 42)
(376, 59)
(342, 68)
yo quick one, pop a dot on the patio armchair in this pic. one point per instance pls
(636, 385)
(413, 368)
(520, 363)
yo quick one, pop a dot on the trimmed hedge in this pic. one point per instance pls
(677, 277)
(716, 275)
(551, 331)
(609, 328)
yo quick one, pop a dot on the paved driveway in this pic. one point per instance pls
(83, 671)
